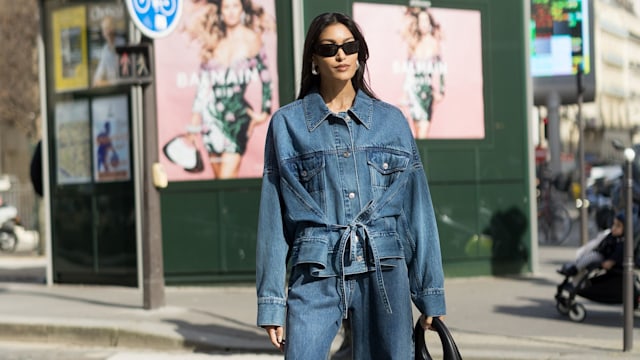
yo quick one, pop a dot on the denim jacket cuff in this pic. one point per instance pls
(431, 303)
(271, 311)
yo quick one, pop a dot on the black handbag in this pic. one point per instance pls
(449, 348)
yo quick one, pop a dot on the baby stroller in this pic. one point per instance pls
(599, 285)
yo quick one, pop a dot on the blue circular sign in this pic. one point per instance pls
(155, 18)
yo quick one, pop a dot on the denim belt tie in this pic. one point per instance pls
(350, 232)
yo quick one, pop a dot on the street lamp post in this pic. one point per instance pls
(627, 287)
(584, 204)
(627, 263)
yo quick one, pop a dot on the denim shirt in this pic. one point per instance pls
(344, 194)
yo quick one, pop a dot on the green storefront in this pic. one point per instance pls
(477, 154)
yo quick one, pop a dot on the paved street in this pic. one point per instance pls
(30, 351)
(509, 317)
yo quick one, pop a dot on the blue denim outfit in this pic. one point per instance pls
(345, 202)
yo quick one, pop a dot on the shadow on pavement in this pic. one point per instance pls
(187, 330)
(597, 314)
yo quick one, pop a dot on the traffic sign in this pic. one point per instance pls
(155, 18)
(134, 64)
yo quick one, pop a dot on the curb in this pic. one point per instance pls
(136, 336)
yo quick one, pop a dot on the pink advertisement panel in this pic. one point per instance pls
(428, 62)
(217, 82)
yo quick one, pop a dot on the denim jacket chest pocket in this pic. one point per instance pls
(307, 174)
(385, 167)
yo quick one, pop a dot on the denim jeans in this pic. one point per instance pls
(314, 315)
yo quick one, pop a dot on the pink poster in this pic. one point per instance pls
(428, 62)
(216, 78)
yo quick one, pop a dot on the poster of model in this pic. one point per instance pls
(428, 62)
(107, 29)
(70, 48)
(73, 145)
(111, 160)
(216, 86)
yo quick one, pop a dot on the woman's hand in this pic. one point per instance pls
(194, 129)
(276, 336)
(608, 264)
(256, 119)
(426, 321)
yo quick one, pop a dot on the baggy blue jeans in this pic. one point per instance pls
(314, 315)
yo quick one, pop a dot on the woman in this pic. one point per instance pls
(107, 70)
(232, 57)
(345, 202)
(423, 64)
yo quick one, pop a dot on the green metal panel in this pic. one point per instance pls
(479, 187)
(209, 232)
(190, 240)
(456, 206)
(239, 251)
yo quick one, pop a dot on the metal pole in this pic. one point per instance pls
(147, 197)
(627, 286)
(553, 131)
(584, 204)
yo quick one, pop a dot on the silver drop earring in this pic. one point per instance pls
(314, 68)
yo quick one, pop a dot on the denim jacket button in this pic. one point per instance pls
(385, 166)
(359, 258)
(352, 195)
(346, 154)
(303, 173)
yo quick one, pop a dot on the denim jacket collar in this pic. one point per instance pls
(316, 111)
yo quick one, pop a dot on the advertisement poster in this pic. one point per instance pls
(70, 48)
(216, 86)
(428, 62)
(107, 29)
(73, 145)
(111, 161)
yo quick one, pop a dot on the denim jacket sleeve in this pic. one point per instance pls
(272, 246)
(418, 223)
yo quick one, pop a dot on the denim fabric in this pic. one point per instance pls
(314, 315)
(345, 194)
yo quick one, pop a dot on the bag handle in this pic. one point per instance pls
(449, 348)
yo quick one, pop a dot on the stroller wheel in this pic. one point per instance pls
(8, 241)
(577, 312)
(562, 307)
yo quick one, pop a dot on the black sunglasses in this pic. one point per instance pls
(328, 50)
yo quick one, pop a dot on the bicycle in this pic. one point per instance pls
(554, 220)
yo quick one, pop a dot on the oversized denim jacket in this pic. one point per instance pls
(344, 187)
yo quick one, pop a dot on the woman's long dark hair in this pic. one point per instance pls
(310, 81)
(248, 9)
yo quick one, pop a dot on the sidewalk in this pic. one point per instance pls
(490, 317)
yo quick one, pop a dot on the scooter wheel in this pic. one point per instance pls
(8, 241)
(562, 307)
(577, 313)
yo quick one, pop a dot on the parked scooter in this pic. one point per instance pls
(12, 232)
(8, 222)
(603, 182)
